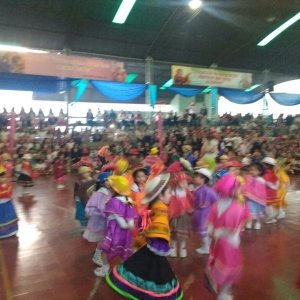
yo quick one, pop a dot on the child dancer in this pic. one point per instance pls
(81, 196)
(96, 227)
(282, 189)
(180, 206)
(255, 194)
(205, 197)
(272, 184)
(26, 176)
(225, 223)
(59, 170)
(120, 214)
(8, 217)
(147, 274)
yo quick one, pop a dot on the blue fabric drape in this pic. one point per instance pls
(185, 92)
(240, 97)
(153, 94)
(286, 99)
(37, 84)
(81, 85)
(119, 91)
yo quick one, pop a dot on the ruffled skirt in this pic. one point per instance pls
(146, 276)
(8, 220)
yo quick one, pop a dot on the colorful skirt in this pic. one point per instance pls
(146, 276)
(96, 229)
(180, 228)
(25, 180)
(8, 219)
(258, 211)
(80, 213)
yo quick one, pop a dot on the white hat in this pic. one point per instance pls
(205, 172)
(269, 161)
(27, 156)
(186, 164)
(246, 161)
(155, 186)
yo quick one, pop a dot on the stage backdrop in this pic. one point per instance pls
(62, 66)
(210, 77)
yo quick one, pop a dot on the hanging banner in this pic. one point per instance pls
(62, 66)
(210, 77)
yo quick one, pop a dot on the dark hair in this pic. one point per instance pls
(161, 193)
(2, 174)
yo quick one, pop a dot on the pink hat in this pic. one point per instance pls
(226, 186)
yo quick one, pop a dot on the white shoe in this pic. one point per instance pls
(183, 253)
(225, 297)
(98, 261)
(202, 250)
(271, 221)
(60, 186)
(173, 253)
(249, 225)
(281, 215)
(101, 272)
(257, 226)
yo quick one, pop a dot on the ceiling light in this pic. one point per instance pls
(280, 29)
(20, 49)
(252, 87)
(195, 4)
(167, 84)
(123, 11)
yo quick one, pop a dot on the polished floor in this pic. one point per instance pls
(50, 260)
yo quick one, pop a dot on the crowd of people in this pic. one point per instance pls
(139, 202)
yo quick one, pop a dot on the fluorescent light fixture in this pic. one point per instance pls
(19, 49)
(123, 11)
(207, 90)
(167, 84)
(252, 87)
(131, 77)
(280, 29)
(195, 4)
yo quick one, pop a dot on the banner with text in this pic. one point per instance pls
(62, 66)
(210, 77)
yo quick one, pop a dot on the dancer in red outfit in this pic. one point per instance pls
(59, 171)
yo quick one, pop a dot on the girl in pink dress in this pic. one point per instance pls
(60, 171)
(225, 223)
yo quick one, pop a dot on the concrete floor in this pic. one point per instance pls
(50, 260)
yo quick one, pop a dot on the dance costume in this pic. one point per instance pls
(272, 184)
(283, 187)
(117, 242)
(147, 274)
(95, 207)
(8, 216)
(205, 197)
(81, 197)
(26, 175)
(59, 171)
(255, 194)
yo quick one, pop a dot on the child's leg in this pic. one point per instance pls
(173, 252)
(225, 293)
(101, 272)
(183, 252)
(205, 240)
(97, 259)
(270, 215)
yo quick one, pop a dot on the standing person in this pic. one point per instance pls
(255, 194)
(205, 197)
(95, 207)
(180, 206)
(8, 216)
(26, 176)
(272, 185)
(147, 274)
(84, 182)
(59, 170)
(120, 214)
(225, 223)
(153, 158)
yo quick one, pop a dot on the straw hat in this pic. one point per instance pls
(83, 170)
(2, 169)
(205, 172)
(269, 161)
(186, 164)
(120, 184)
(188, 148)
(122, 166)
(224, 157)
(154, 151)
(27, 156)
(155, 186)
(6, 156)
(200, 164)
